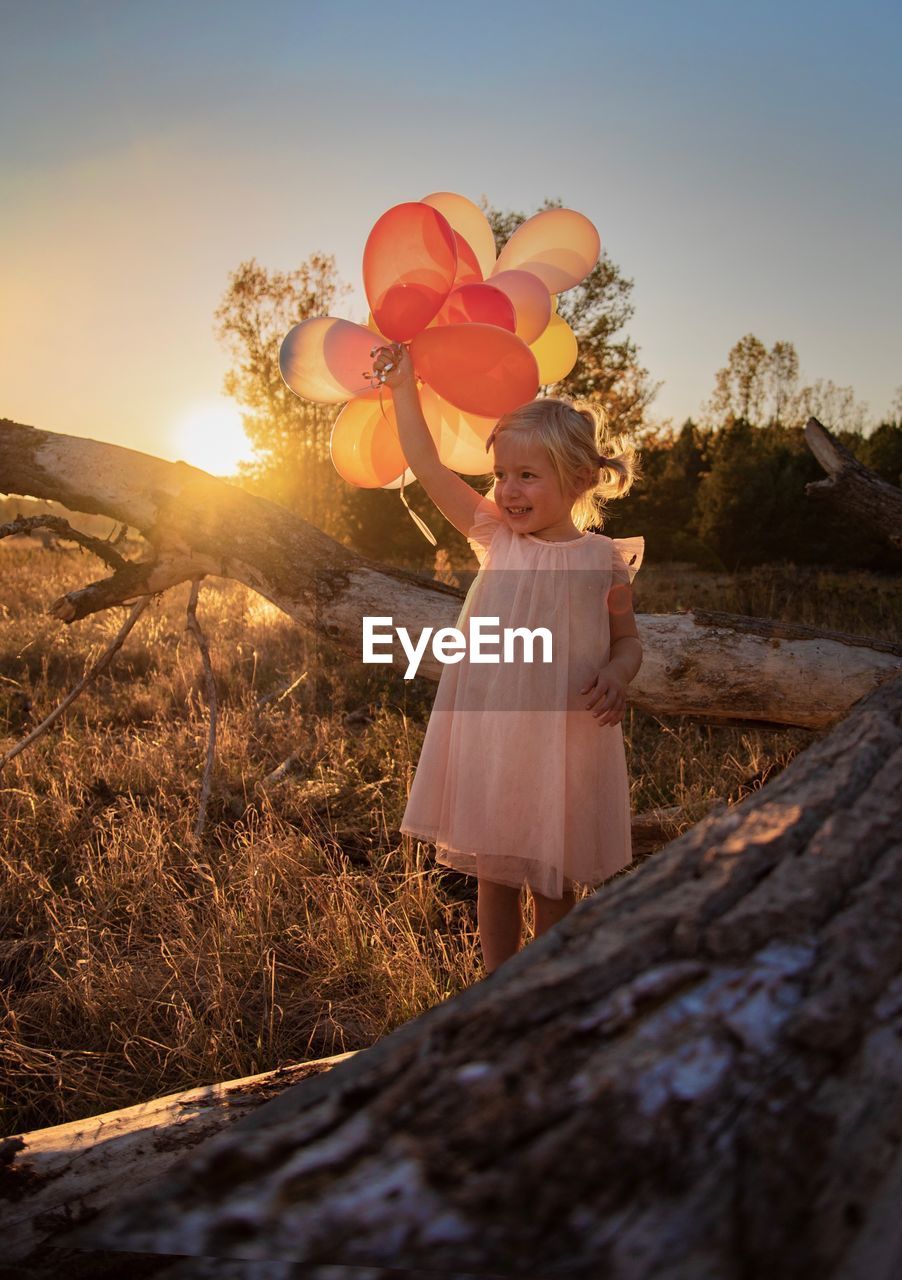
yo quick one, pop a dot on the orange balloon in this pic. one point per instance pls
(532, 303)
(560, 246)
(469, 221)
(479, 304)
(461, 436)
(409, 265)
(555, 351)
(326, 360)
(468, 269)
(365, 447)
(477, 367)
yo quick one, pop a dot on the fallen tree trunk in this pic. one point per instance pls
(853, 488)
(697, 1073)
(711, 666)
(53, 1176)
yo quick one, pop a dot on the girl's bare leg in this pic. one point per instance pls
(548, 911)
(500, 922)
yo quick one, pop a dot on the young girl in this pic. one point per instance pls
(522, 777)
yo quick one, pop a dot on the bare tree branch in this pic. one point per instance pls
(63, 529)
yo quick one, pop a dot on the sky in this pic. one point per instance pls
(741, 163)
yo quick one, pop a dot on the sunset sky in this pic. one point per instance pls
(740, 162)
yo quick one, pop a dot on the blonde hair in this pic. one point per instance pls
(574, 435)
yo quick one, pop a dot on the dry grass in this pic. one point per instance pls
(136, 960)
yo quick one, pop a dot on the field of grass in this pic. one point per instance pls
(136, 960)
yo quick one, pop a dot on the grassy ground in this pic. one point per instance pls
(136, 960)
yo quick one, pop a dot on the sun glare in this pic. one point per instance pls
(210, 436)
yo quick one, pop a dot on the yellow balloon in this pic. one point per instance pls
(554, 302)
(460, 437)
(555, 351)
(365, 447)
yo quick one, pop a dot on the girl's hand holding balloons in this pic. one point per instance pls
(608, 694)
(392, 365)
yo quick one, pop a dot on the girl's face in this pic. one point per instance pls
(527, 489)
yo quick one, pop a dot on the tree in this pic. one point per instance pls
(608, 372)
(290, 435)
(832, 405)
(736, 497)
(761, 388)
(782, 376)
(882, 452)
(665, 507)
(740, 387)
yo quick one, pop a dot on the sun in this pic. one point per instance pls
(211, 436)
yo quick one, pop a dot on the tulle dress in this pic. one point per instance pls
(517, 782)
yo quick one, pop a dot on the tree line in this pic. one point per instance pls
(726, 491)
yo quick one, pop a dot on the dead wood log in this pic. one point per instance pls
(69, 1171)
(711, 666)
(697, 1073)
(852, 488)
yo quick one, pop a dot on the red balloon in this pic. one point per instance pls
(477, 367)
(409, 265)
(479, 304)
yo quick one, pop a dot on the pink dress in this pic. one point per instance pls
(517, 782)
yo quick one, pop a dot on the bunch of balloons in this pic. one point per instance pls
(484, 334)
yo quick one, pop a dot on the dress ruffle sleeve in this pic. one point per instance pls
(626, 559)
(486, 521)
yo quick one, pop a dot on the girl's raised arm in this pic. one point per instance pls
(453, 496)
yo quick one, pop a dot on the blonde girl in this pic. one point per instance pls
(522, 778)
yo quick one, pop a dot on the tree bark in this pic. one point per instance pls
(716, 667)
(853, 488)
(697, 1073)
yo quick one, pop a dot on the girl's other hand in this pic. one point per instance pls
(393, 365)
(608, 696)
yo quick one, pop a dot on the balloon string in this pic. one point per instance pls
(420, 524)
